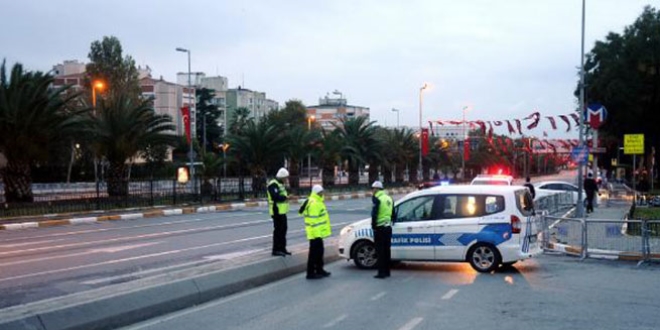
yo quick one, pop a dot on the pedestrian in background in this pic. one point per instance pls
(591, 188)
(278, 206)
(381, 223)
(317, 227)
(530, 187)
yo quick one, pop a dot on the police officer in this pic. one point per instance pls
(278, 206)
(381, 221)
(317, 227)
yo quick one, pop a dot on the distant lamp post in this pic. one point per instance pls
(310, 119)
(224, 147)
(190, 155)
(465, 109)
(397, 116)
(421, 90)
(96, 85)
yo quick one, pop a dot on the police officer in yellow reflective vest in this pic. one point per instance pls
(278, 206)
(317, 227)
(381, 223)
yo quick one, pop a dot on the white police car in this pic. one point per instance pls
(487, 226)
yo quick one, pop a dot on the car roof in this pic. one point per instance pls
(467, 189)
(552, 182)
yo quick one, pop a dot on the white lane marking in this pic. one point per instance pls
(213, 304)
(412, 323)
(116, 261)
(129, 238)
(91, 231)
(9, 246)
(77, 254)
(335, 321)
(449, 294)
(378, 296)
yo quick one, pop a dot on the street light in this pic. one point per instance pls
(224, 147)
(580, 205)
(96, 85)
(190, 155)
(397, 116)
(421, 90)
(310, 119)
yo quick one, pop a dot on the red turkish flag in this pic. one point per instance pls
(425, 141)
(185, 115)
(466, 149)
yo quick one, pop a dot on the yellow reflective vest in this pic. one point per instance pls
(385, 207)
(282, 207)
(317, 220)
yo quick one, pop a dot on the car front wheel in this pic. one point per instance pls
(364, 255)
(484, 258)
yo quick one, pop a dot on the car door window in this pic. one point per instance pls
(494, 204)
(462, 206)
(416, 209)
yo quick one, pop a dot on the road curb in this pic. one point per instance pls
(176, 211)
(116, 306)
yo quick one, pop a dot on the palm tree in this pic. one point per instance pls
(211, 171)
(300, 141)
(259, 147)
(33, 117)
(404, 148)
(360, 145)
(329, 155)
(123, 129)
(239, 120)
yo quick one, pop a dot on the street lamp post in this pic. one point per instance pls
(397, 117)
(95, 85)
(421, 90)
(191, 168)
(310, 119)
(580, 205)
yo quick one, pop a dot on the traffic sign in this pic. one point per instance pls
(580, 154)
(633, 144)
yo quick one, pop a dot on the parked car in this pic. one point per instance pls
(543, 188)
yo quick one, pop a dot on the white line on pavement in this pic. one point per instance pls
(335, 321)
(116, 261)
(449, 294)
(378, 296)
(412, 323)
(9, 246)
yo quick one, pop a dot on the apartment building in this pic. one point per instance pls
(331, 110)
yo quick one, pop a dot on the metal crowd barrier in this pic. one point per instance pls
(623, 239)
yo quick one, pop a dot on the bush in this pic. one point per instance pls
(643, 213)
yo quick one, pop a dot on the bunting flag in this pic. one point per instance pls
(490, 131)
(497, 123)
(482, 125)
(431, 128)
(552, 122)
(576, 118)
(545, 134)
(518, 125)
(568, 123)
(535, 117)
(466, 149)
(511, 129)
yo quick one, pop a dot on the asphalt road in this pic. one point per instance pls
(49, 262)
(549, 292)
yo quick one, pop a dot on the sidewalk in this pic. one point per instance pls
(52, 220)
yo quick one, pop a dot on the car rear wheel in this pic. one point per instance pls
(484, 258)
(364, 255)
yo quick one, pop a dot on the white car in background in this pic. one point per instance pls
(544, 188)
(487, 226)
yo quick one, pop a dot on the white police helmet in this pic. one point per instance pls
(317, 189)
(282, 173)
(377, 185)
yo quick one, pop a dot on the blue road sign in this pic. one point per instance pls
(580, 154)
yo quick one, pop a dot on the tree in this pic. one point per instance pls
(125, 128)
(329, 155)
(623, 74)
(118, 73)
(33, 117)
(239, 120)
(258, 146)
(207, 119)
(359, 145)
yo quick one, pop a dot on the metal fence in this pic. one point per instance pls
(89, 196)
(616, 239)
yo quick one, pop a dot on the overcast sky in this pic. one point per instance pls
(504, 58)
